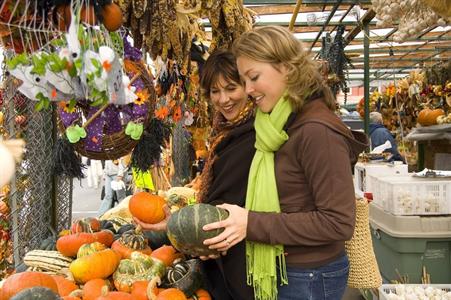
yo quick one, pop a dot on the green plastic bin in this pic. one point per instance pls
(407, 243)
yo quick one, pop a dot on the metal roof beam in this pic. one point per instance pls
(366, 19)
(331, 14)
(302, 24)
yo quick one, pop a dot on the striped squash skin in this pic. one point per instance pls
(185, 228)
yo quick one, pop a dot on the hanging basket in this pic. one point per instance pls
(113, 144)
(441, 7)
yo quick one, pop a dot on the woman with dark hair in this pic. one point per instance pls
(300, 203)
(224, 177)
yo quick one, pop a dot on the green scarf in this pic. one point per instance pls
(262, 196)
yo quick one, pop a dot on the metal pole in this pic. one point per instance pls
(366, 75)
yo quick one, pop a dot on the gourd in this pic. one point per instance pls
(36, 293)
(21, 281)
(144, 290)
(130, 241)
(69, 244)
(171, 294)
(185, 228)
(86, 225)
(185, 276)
(138, 267)
(65, 286)
(99, 264)
(167, 254)
(147, 208)
(88, 249)
(50, 261)
(93, 288)
(106, 295)
(201, 294)
(428, 117)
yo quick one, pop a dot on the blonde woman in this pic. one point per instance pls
(300, 201)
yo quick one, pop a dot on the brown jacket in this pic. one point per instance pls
(316, 193)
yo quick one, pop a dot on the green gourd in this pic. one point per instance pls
(185, 228)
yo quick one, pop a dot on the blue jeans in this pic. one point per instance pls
(323, 283)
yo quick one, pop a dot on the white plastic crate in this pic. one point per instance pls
(365, 173)
(407, 195)
(442, 291)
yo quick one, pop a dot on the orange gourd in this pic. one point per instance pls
(147, 208)
(85, 225)
(93, 288)
(4, 210)
(69, 244)
(167, 254)
(144, 290)
(71, 298)
(201, 294)
(65, 286)
(171, 294)
(428, 117)
(114, 296)
(112, 17)
(20, 281)
(99, 264)
(130, 241)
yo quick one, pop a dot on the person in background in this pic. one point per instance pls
(114, 172)
(224, 176)
(94, 172)
(379, 134)
(300, 202)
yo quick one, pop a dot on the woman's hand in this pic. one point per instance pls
(161, 226)
(235, 227)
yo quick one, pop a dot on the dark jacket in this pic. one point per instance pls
(379, 135)
(316, 192)
(230, 171)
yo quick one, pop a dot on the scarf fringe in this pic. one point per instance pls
(264, 282)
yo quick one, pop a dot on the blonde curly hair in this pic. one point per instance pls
(276, 45)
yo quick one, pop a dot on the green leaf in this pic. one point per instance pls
(39, 106)
(38, 65)
(72, 104)
(78, 63)
(21, 59)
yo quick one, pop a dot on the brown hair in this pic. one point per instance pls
(276, 45)
(220, 63)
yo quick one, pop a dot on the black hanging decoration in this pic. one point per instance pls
(338, 63)
(65, 160)
(148, 150)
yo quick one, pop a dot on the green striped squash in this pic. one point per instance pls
(185, 228)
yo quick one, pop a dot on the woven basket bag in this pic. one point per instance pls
(363, 271)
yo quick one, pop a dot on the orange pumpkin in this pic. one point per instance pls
(428, 117)
(20, 281)
(99, 264)
(200, 294)
(171, 294)
(93, 288)
(112, 17)
(167, 254)
(65, 286)
(68, 245)
(147, 208)
(140, 290)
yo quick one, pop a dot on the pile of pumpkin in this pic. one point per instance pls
(114, 259)
(428, 117)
